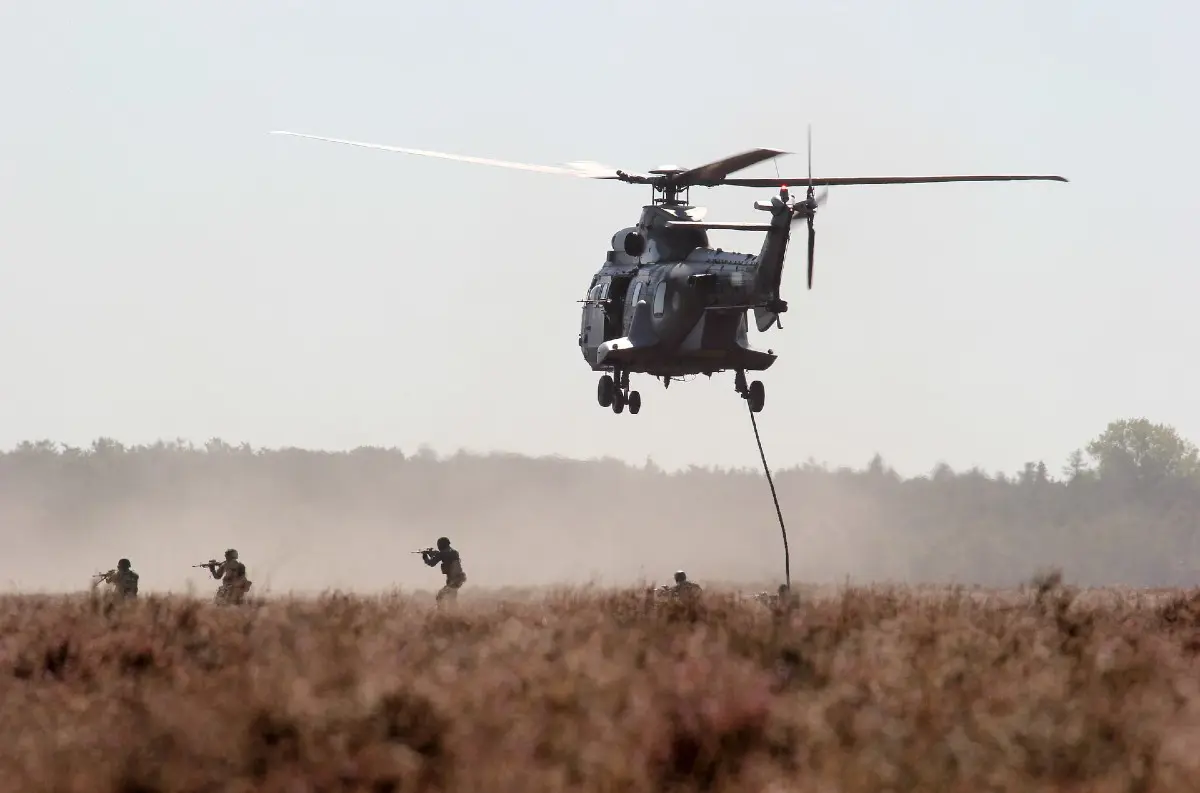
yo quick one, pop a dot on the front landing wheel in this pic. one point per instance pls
(604, 391)
(635, 402)
(618, 402)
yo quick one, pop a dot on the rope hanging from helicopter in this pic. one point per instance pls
(787, 559)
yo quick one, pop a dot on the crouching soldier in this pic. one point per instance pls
(232, 574)
(451, 564)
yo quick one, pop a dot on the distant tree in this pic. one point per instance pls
(876, 466)
(1138, 450)
(1033, 474)
(107, 446)
(942, 472)
(1076, 467)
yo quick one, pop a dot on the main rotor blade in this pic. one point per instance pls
(582, 170)
(712, 173)
(835, 181)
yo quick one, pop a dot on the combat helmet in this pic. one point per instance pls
(231, 553)
(680, 576)
(122, 564)
(443, 543)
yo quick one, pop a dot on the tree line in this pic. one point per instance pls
(1119, 510)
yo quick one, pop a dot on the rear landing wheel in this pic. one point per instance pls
(635, 402)
(618, 402)
(604, 391)
(757, 396)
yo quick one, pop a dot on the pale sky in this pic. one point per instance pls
(172, 270)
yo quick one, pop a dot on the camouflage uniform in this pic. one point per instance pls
(123, 580)
(683, 587)
(232, 573)
(451, 564)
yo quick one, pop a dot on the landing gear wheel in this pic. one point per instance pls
(618, 402)
(635, 402)
(757, 396)
(604, 391)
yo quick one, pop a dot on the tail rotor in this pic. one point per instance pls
(809, 209)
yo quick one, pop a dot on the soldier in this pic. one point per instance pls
(451, 567)
(123, 580)
(684, 587)
(232, 574)
(786, 597)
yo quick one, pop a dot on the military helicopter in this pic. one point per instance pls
(667, 304)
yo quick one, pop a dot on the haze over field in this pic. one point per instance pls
(1121, 511)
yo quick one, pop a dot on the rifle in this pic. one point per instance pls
(423, 551)
(99, 577)
(210, 563)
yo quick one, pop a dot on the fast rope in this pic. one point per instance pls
(787, 558)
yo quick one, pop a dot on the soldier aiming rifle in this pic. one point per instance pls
(683, 588)
(123, 580)
(232, 574)
(451, 564)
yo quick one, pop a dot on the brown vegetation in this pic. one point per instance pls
(866, 690)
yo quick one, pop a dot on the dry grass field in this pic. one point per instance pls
(857, 690)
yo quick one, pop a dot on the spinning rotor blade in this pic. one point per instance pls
(585, 170)
(812, 241)
(837, 181)
(812, 232)
(713, 173)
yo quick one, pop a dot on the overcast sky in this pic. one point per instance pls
(172, 270)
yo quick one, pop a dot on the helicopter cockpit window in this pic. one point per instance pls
(660, 298)
(637, 293)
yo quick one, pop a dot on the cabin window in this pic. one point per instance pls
(660, 298)
(637, 293)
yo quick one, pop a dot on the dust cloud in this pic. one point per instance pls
(307, 522)
(310, 521)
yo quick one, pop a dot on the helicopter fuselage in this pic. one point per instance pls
(697, 311)
(692, 300)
